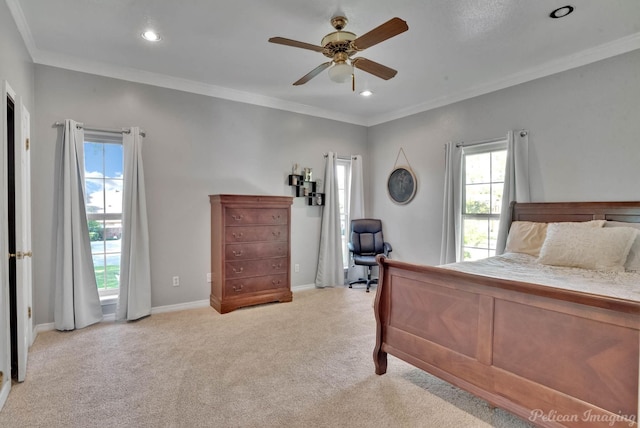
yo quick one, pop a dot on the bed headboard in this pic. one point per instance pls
(547, 212)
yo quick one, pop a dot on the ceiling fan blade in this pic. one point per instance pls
(389, 29)
(295, 44)
(313, 73)
(379, 70)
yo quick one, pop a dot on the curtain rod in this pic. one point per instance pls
(523, 133)
(108, 130)
(339, 157)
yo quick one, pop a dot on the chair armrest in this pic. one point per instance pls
(387, 248)
(350, 246)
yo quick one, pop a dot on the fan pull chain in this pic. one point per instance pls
(353, 82)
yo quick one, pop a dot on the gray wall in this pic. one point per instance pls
(195, 146)
(584, 143)
(18, 70)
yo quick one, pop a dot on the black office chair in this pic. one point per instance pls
(365, 244)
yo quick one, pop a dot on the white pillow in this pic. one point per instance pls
(633, 259)
(527, 236)
(603, 249)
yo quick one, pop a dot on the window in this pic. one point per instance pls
(343, 171)
(483, 169)
(103, 162)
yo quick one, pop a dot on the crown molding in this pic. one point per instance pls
(185, 85)
(23, 27)
(579, 59)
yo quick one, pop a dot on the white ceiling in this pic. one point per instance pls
(454, 49)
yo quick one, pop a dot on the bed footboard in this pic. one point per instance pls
(553, 357)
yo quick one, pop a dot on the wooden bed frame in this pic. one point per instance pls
(553, 357)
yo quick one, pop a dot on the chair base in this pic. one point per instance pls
(367, 281)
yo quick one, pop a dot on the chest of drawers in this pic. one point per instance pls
(250, 250)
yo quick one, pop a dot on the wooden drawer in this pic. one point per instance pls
(242, 216)
(255, 284)
(247, 268)
(257, 250)
(256, 233)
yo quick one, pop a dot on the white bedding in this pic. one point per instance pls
(523, 267)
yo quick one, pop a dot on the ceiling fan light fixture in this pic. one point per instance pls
(341, 72)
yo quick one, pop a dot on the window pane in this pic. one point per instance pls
(113, 161)
(342, 176)
(496, 197)
(494, 224)
(478, 199)
(94, 191)
(476, 232)
(113, 196)
(498, 165)
(475, 254)
(478, 168)
(93, 160)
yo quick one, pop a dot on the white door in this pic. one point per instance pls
(23, 237)
(5, 336)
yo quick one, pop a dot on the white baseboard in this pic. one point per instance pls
(160, 309)
(43, 327)
(302, 287)
(180, 306)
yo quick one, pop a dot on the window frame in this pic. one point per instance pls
(497, 145)
(101, 137)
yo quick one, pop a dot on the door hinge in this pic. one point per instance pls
(1, 378)
(27, 144)
(29, 312)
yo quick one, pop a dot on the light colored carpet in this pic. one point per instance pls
(307, 363)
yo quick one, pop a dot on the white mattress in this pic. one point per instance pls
(523, 267)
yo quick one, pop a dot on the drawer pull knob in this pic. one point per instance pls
(237, 235)
(237, 217)
(276, 217)
(274, 282)
(276, 233)
(276, 266)
(238, 270)
(238, 288)
(237, 253)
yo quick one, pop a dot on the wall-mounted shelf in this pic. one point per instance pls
(306, 189)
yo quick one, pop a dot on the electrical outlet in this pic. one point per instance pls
(209, 277)
(176, 281)
(296, 267)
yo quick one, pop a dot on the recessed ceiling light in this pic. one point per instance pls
(366, 93)
(561, 12)
(151, 36)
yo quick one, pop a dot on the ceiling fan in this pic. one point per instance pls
(340, 46)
